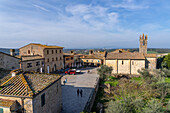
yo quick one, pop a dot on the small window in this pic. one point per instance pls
(42, 100)
(67, 58)
(122, 62)
(57, 88)
(132, 62)
(86, 60)
(38, 63)
(56, 58)
(29, 65)
(71, 58)
(47, 52)
(52, 51)
(29, 52)
(56, 51)
(48, 60)
(60, 58)
(38, 70)
(60, 51)
(42, 63)
(52, 59)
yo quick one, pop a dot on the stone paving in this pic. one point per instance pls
(86, 81)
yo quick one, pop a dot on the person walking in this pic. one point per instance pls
(65, 80)
(81, 93)
(78, 92)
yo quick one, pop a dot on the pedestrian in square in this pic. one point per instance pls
(65, 80)
(78, 92)
(81, 93)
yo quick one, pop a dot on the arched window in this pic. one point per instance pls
(143, 42)
(122, 62)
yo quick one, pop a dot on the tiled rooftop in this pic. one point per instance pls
(27, 84)
(125, 56)
(31, 57)
(90, 57)
(44, 46)
(151, 55)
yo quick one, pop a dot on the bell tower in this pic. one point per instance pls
(143, 44)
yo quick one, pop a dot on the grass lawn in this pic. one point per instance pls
(137, 79)
(152, 52)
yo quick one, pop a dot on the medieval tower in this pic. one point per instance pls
(143, 44)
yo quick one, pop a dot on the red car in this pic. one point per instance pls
(70, 72)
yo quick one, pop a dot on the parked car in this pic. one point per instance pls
(70, 72)
(78, 71)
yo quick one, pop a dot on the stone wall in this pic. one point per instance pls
(69, 61)
(151, 63)
(55, 59)
(34, 66)
(27, 103)
(113, 64)
(124, 66)
(34, 50)
(9, 62)
(137, 65)
(53, 100)
(95, 61)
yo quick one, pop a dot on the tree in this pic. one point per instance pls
(166, 61)
(104, 71)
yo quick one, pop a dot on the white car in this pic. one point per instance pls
(78, 71)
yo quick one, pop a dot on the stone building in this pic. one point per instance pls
(68, 60)
(77, 60)
(72, 60)
(23, 92)
(94, 58)
(9, 62)
(125, 62)
(38, 57)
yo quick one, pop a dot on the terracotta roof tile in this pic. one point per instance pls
(125, 56)
(26, 85)
(90, 57)
(151, 55)
(44, 46)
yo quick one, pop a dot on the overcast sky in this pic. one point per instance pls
(84, 23)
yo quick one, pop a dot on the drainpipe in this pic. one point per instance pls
(22, 106)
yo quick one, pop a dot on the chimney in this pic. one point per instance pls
(72, 52)
(90, 52)
(13, 74)
(12, 52)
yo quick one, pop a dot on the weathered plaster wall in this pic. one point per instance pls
(53, 100)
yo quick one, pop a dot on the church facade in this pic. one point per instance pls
(125, 62)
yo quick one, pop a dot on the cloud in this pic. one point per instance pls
(130, 5)
(39, 7)
(97, 17)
